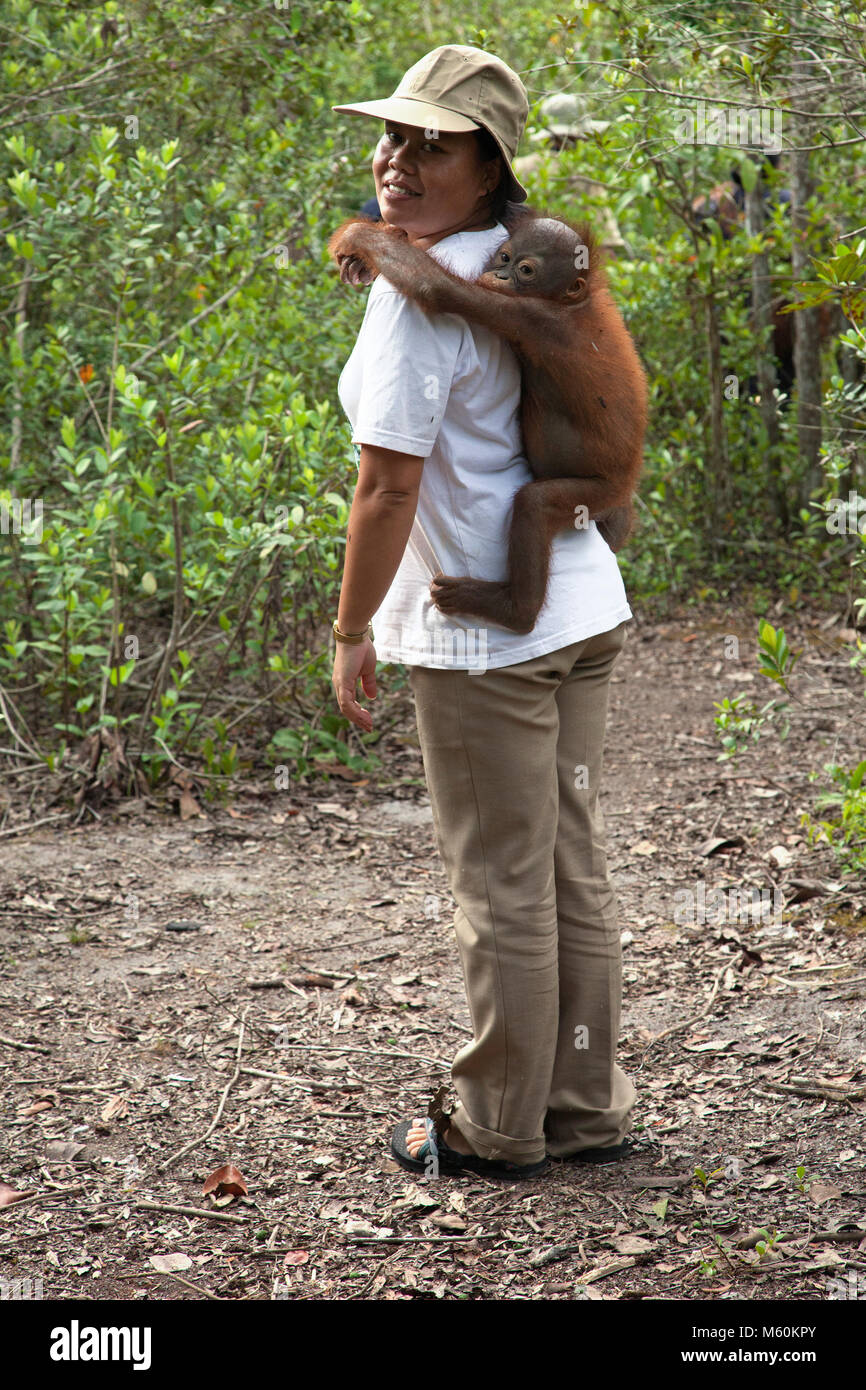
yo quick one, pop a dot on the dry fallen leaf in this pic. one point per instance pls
(29, 901)
(415, 1197)
(449, 1221)
(716, 846)
(631, 1245)
(333, 808)
(10, 1195)
(170, 1264)
(226, 1181)
(413, 1000)
(602, 1271)
(33, 1108)
(823, 1192)
(63, 1150)
(781, 856)
(358, 1228)
(116, 1109)
(331, 1210)
(806, 888)
(108, 1032)
(352, 996)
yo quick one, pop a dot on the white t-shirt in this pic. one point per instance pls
(449, 391)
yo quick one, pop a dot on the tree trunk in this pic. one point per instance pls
(762, 319)
(807, 344)
(716, 465)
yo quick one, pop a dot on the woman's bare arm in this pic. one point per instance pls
(380, 520)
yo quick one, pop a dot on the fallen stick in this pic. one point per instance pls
(815, 1092)
(192, 1211)
(44, 1196)
(161, 1167)
(836, 1236)
(368, 1051)
(307, 1083)
(205, 1293)
(22, 1046)
(31, 825)
(416, 1240)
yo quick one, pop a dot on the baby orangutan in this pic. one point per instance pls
(583, 398)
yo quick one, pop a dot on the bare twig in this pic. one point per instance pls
(21, 1046)
(161, 1167)
(44, 1197)
(371, 1052)
(816, 1092)
(193, 1211)
(196, 1288)
(695, 1018)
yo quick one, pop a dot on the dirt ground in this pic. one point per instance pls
(274, 984)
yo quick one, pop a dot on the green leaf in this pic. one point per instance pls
(857, 775)
(124, 672)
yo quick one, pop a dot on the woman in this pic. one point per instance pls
(511, 725)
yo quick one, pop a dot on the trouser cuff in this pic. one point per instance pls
(488, 1144)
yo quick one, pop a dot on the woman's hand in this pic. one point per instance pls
(351, 660)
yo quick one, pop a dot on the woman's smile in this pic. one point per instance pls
(398, 190)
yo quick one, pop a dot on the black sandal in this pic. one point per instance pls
(436, 1159)
(610, 1153)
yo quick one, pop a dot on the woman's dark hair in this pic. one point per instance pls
(488, 149)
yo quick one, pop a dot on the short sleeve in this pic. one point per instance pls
(407, 362)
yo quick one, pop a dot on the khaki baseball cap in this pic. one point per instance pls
(457, 88)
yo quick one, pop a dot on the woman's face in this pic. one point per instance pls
(430, 187)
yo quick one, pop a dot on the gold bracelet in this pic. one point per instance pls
(353, 637)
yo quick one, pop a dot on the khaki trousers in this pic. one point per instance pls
(513, 761)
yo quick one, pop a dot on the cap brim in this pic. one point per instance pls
(410, 112)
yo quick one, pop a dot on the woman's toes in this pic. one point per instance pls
(416, 1136)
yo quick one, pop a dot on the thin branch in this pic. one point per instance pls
(161, 1167)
